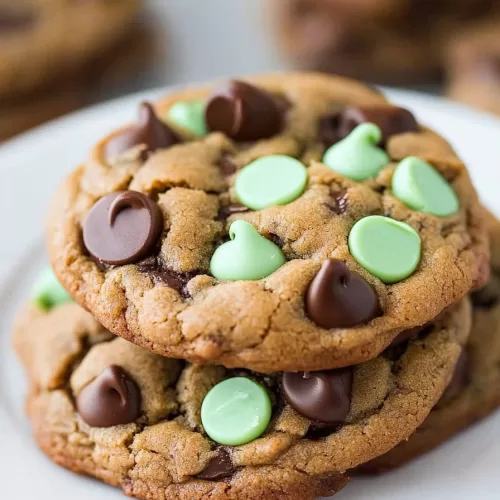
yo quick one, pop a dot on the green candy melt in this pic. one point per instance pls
(421, 187)
(387, 248)
(189, 115)
(357, 155)
(248, 256)
(48, 292)
(271, 180)
(236, 411)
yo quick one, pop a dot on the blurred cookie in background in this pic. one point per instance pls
(22, 114)
(385, 41)
(55, 53)
(474, 67)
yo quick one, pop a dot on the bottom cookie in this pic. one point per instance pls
(162, 428)
(475, 388)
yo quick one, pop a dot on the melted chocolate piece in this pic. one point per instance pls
(113, 398)
(392, 120)
(244, 112)
(339, 205)
(340, 298)
(220, 467)
(149, 131)
(122, 227)
(159, 273)
(459, 380)
(225, 212)
(323, 396)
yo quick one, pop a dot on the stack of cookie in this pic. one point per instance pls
(43, 71)
(287, 261)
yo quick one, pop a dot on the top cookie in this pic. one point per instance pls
(42, 40)
(319, 224)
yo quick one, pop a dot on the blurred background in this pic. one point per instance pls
(57, 56)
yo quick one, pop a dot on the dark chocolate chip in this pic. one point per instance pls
(225, 212)
(244, 112)
(323, 396)
(340, 298)
(113, 398)
(339, 205)
(13, 21)
(122, 227)
(459, 380)
(149, 131)
(220, 467)
(392, 120)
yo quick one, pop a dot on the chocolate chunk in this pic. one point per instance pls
(244, 112)
(122, 227)
(323, 396)
(113, 398)
(149, 131)
(159, 273)
(225, 212)
(218, 468)
(12, 21)
(339, 205)
(459, 380)
(392, 120)
(340, 298)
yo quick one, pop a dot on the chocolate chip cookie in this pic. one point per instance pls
(474, 391)
(292, 222)
(387, 41)
(42, 41)
(161, 428)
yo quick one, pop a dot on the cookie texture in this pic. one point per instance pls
(164, 451)
(474, 391)
(169, 302)
(34, 43)
(378, 40)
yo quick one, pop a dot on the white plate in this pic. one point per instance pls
(31, 167)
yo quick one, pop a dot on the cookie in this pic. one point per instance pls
(35, 46)
(382, 41)
(104, 407)
(473, 67)
(474, 391)
(23, 114)
(294, 240)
